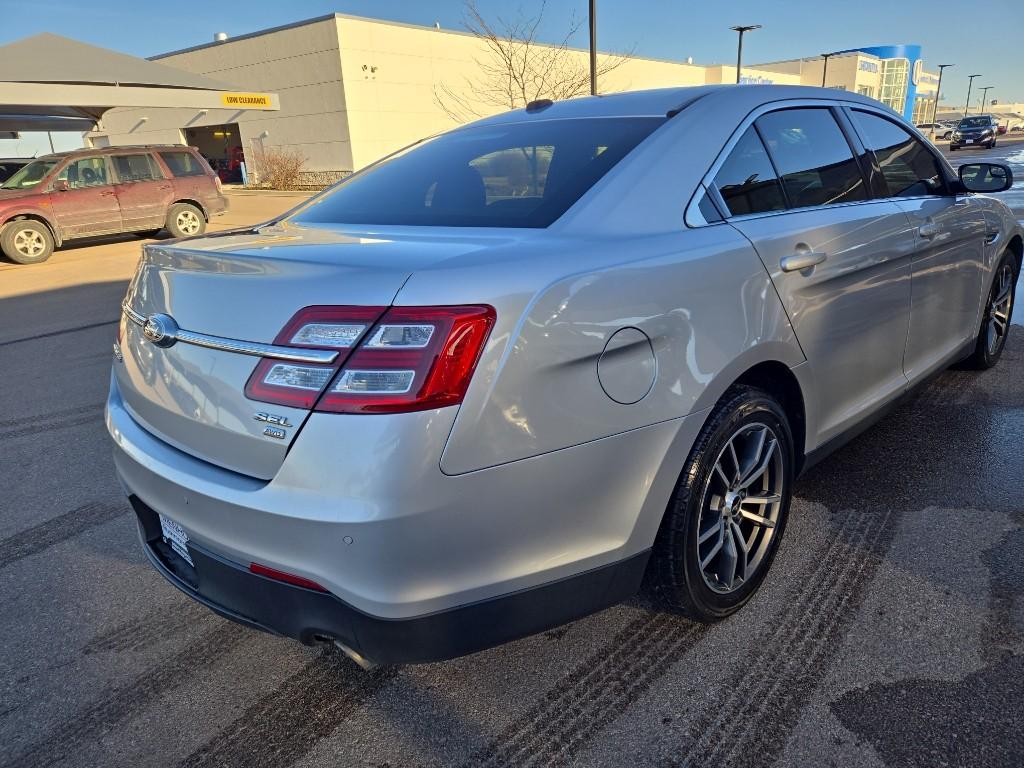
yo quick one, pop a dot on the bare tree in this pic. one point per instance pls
(516, 68)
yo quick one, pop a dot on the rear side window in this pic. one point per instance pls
(908, 168)
(812, 156)
(135, 168)
(747, 181)
(183, 164)
(515, 175)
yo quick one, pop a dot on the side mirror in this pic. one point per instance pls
(61, 185)
(986, 177)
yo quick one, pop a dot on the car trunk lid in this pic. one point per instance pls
(245, 287)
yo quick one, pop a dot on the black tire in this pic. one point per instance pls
(675, 576)
(952, 148)
(992, 145)
(986, 353)
(26, 241)
(185, 220)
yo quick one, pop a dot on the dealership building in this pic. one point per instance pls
(354, 89)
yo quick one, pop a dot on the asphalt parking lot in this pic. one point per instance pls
(890, 631)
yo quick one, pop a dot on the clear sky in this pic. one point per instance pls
(978, 37)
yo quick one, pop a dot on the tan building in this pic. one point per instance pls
(354, 89)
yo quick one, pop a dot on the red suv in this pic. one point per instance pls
(105, 191)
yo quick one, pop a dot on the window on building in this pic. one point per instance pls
(747, 181)
(908, 168)
(515, 175)
(866, 90)
(183, 164)
(812, 156)
(895, 73)
(137, 167)
(87, 172)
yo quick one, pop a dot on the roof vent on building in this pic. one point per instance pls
(220, 37)
(437, 25)
(689, 59)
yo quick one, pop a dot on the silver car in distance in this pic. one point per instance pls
(503, 378)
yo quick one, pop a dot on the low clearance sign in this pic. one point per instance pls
(246, 100)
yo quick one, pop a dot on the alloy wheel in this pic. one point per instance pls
(740, 508)
(29, 243)
(1000, 303)
(187, 222)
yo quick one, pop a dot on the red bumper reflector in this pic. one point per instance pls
(287, 578)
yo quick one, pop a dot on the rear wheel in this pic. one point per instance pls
(26, 241)
(184, 220)
(995, 324)
(723, 526)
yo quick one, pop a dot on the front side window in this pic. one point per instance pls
(812, 156)
(513, 175)
(908, 168)
(86, 172)
(135, 168)
(30, 175)
(747, 181)
(182, 164)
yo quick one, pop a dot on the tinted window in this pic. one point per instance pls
(183, 164)
(519, 175)
(135, 168)
(813, 157)
(976, 122)
(87, 172)
(908, 168)
(747, 180)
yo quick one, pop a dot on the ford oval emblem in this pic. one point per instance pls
(161, 330)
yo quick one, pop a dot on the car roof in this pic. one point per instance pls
(111, 150)
(663, 101)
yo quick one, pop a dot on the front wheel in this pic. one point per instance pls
(726, 518)
(185, 220)
(26, 241)
(995, 323)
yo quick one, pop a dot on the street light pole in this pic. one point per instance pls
(739, 47)
(938, 95)
(984, 97)
(824, 67)
(593, 47)
(970, 82)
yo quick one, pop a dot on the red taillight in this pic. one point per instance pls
(414, 359)
(287, 578)
(404, 359)
(319, 327)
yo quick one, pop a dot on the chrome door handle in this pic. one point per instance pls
(929, 230)
(802, 260)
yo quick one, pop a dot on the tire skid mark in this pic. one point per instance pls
(761, 708)
(151, 629)
(50, 416)
(120, 703)
(287, 723)
(50, 425)
(50, 334)
(594, 694)
(59, 529)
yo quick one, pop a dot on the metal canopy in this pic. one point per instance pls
(49, 83)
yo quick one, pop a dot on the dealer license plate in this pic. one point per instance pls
(175, 536)
(968, 141)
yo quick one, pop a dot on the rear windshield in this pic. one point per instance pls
(976, 122)
(30, 175)
(518, 175)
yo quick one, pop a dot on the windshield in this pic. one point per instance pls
(514, 175)
(30, 175)
(976, 122)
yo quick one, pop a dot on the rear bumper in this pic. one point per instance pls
(309, 616)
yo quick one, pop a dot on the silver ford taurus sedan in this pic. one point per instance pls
(504, 378)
